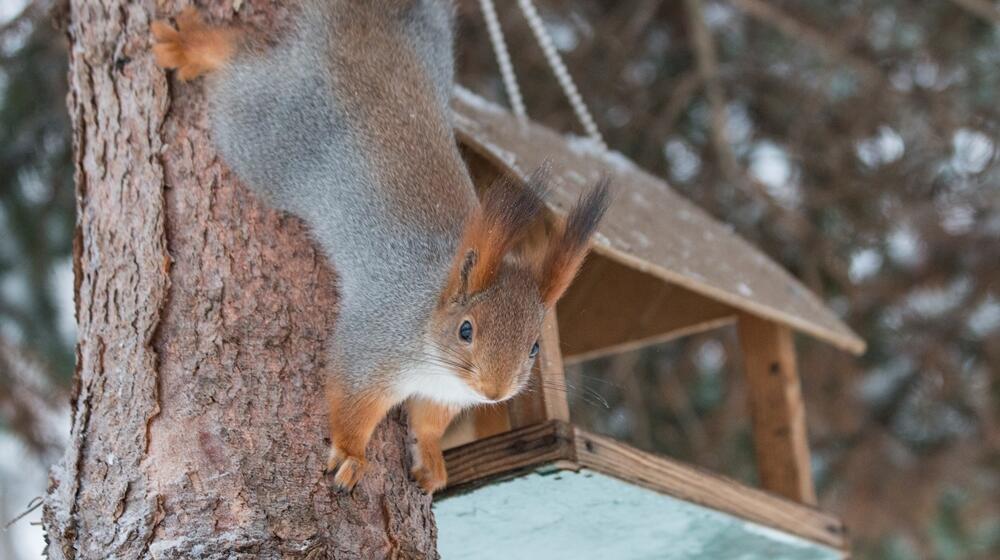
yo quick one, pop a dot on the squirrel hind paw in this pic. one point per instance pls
(349, 473)
(430, 479)
(348, 470)
(193, 48)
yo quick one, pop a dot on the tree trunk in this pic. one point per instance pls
(199, 422)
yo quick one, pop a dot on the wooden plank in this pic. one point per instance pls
(561, 445)
(776, 409)
(484, 460)
(545, 397)
(701, 487)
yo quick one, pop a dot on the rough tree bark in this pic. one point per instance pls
(198, 412)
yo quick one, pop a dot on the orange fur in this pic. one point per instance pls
(429, 420)
(561, 269)
(353, 419)
(194, 48)
(568, 248)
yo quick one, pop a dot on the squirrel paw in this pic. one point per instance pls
(429, 470)
(349, 469)
(194, 48)
(430, 480)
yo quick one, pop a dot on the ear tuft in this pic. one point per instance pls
(465, 270)
(569, 247)
(506, 211)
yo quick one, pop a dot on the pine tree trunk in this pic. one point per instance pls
(199, 423)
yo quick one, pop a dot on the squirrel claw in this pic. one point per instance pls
(428, 480)
(428, 469)
(350, 473)
(348, 470)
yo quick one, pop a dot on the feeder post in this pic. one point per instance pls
(776, 409)
(545, 397)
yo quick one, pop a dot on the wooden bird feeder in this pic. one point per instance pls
(524, 482)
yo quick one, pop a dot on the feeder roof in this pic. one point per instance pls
(649, 228)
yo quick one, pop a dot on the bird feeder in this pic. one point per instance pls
(525, 482)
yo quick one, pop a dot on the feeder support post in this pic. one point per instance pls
(545, 397)
(776, 409)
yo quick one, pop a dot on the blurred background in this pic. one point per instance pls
(854, 142)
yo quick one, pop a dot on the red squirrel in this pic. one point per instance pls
(344, 121)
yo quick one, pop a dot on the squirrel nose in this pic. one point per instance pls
(492, 393)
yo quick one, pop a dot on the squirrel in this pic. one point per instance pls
(344, 121)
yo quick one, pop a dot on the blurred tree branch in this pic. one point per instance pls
(982, 8)
(30, 406)
(799, 31)
(708, 69)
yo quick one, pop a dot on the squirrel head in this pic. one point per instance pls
(486, 326)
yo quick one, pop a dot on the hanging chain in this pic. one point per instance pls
(551, 56)
(560, 71)
(503, 59)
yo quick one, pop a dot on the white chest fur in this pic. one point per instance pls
(434, 381)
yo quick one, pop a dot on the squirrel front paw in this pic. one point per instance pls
(349, 469)
(194, 48)
(428, 468)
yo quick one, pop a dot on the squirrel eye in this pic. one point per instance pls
(465, 331)
(534, 350)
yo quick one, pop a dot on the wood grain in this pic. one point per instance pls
(501, 455)
(776, 409)
(560, 445)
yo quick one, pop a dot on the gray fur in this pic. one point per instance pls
(314, 142)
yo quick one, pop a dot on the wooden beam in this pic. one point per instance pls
(776, 409)
(545, 397)
(481, 461)
(681, 332)
(701, 487)
(557, 445)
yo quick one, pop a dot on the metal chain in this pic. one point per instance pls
(560, 71)
(503, 59)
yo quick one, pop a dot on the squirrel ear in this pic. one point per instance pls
(465, 271)
(569, 246)
(457, 288)
(504, 214)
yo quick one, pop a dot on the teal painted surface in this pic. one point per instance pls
(587, 515)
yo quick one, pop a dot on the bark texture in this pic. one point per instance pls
(199, 426)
